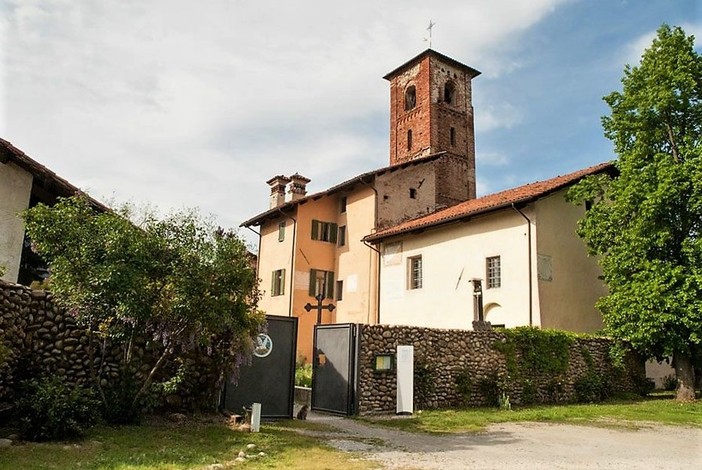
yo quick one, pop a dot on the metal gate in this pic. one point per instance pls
(270, 379)
(334, 376)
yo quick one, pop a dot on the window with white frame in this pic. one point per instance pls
(278, 282)
(414, 272)
(493, 272)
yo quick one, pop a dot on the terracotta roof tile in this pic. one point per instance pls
(274, 212)
(489, 203)
(61, 186)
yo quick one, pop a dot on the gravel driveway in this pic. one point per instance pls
(521, 445)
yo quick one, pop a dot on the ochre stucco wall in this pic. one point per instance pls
(568, 298)
(354, 263)
(15, 190)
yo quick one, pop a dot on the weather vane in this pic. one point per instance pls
(431, 25)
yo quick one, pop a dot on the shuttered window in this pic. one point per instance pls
(324, 231)
(321, 282)
(278, 282)
(281, 231)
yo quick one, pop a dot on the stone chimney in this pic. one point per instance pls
(277, 184)
(298, 186)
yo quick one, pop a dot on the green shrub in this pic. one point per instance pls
(528, 392)
(670, 383)
(119, 397)
(555, 390)
(303, 375)
(589, 388)
(49, 409)
(643, 385)
(464, 385)
(424, 381)
(490, 390)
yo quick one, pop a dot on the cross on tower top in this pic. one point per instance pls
(431, 26)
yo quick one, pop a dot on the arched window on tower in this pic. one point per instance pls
(449, 92)
(409, 139)
(453, 137)
(410, 97)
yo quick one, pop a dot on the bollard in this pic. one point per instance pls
(255, 417)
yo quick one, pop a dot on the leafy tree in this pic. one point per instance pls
(646, 223)
(176, 282)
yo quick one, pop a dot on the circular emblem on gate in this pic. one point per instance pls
(264, 345)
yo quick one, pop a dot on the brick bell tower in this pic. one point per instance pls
(431, 111)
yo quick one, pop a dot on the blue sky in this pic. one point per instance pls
(196, 104)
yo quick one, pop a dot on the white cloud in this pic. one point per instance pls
(497, 115)
(197, 104)
(491, 159)
(632, 52)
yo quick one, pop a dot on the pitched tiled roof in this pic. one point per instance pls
(492, 202)
(59, 186)
(431, 52)
(362, 178)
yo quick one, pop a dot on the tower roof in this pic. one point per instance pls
(437, 55)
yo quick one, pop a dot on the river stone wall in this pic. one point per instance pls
(39, 338)
(442, 357)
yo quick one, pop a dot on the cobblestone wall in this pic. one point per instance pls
(443, 358)
(40, 339)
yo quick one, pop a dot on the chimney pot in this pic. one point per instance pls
(277, 184)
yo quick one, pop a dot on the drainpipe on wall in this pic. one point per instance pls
(258, 255)
(375, 224)
(292, 260)
(531, 295)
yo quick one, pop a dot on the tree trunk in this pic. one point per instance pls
(685, 373)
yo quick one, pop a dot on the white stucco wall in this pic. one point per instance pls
(451, 256)
(15, 190)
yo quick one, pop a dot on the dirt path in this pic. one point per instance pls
(521, 445)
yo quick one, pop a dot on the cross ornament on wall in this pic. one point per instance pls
(319, 307)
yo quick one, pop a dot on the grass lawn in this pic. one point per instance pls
(662, 410)
(196, 444)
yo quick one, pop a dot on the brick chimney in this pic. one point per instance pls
(277, 184)
(298, 186)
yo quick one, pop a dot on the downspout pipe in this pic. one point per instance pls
(375, 224)
(292, 260)
(531, 287)
(258, 255)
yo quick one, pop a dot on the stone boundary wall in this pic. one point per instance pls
(441, 356)
(41, 339)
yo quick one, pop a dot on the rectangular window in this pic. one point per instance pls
(324, 231)
(342, 235)
(281, 231)
(494, 272)
(339, 290)
(278, 282)
(414, 274)
(321, 282)
(342, 204)
(413, 193)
